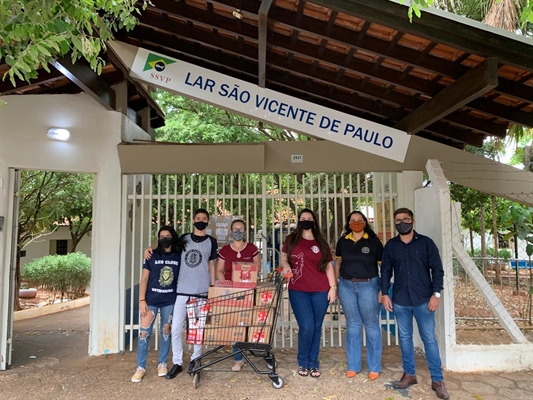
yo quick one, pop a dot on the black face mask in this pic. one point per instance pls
(404, 228)
(201, 225)
(306, 224)
(165, 242)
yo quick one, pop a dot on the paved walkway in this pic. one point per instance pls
(50, 362)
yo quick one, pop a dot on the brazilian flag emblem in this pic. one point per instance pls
(156, 62)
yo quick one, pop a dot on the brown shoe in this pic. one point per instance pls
(406, 381)
(440, 389)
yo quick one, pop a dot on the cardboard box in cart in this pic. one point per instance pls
(229, 316)
(235, 297)
(258, 334)
(265, 294)
(224, 335)
(262, 316)
(244, 275)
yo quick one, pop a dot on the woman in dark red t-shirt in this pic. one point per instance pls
(312, 287)
(237, 251)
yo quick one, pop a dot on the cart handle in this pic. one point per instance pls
(286, 276)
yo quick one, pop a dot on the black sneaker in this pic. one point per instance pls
(173, 372)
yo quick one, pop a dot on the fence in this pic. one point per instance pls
(269, 203)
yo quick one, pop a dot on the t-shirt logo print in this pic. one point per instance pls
(166, 276)
(297, 266)
(193, 258)
(315, 249)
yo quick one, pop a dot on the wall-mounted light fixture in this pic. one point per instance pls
(58, 134)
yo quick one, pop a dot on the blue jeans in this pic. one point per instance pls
(360, 305)
(309, 309)
(238, 356)
(425, 320)
(144, 343)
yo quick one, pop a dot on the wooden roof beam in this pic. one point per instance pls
(459, 35)
(262, 44)
(6, 87)
(87, 80)
(476, 82)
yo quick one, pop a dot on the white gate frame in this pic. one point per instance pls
(138, 199)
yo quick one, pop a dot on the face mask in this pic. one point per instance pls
(306, 224)
(404, 228)
(165, 242)
(238, 236)
(357, 226)
(201, 225)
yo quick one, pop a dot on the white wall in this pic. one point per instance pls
(41, 246)
(95, 134)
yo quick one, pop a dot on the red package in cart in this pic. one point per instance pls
(195, 336)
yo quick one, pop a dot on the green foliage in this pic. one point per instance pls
(32, 33)
(518, 220)
(69, 274)
(189, 121)
(475, 9)
(48, 197)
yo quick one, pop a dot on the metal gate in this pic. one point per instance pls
(269, 203)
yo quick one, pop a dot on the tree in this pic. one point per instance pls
(76, 207)
(512, 15)
(45, 199)
(31, 35)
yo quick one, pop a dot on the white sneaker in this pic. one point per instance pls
(162, 369)
(139, 375)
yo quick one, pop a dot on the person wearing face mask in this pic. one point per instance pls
(312, 287)
(197, 273)
(157, 293)
(357, 255)
(415, 262)
(237, 251)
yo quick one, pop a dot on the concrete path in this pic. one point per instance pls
(50, 362)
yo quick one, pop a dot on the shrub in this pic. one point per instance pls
(69, 274)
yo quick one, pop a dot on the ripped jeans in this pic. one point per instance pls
(143, 342)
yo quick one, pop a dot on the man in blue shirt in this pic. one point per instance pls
(418, 278)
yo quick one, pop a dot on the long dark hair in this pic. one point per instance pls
(368, 229)
(178, 244)
(294, 238)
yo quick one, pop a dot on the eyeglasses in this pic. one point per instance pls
(238, 230)
(165, 237)
(404, 220)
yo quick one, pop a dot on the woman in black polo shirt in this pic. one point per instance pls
(358, 253)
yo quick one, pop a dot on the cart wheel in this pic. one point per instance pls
(196, 380)
(270, 365)
(277, 382)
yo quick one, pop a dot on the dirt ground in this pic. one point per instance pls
(50, 362)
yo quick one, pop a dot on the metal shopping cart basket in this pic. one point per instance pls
(240, 317)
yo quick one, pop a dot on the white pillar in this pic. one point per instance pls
(408, 182)
(106, 334)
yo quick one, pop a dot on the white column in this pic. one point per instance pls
(4, 262)
(408, 182)
(106, 289)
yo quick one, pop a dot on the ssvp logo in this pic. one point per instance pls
(156, 62)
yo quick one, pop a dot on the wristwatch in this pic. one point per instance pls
(437, 295)
(333, 287)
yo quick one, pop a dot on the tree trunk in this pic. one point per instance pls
(471, 233)
(497, 265)
(482, 234)
(18, 279)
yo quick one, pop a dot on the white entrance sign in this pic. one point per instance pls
(269, 106)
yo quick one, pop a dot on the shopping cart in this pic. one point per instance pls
(242, 318)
